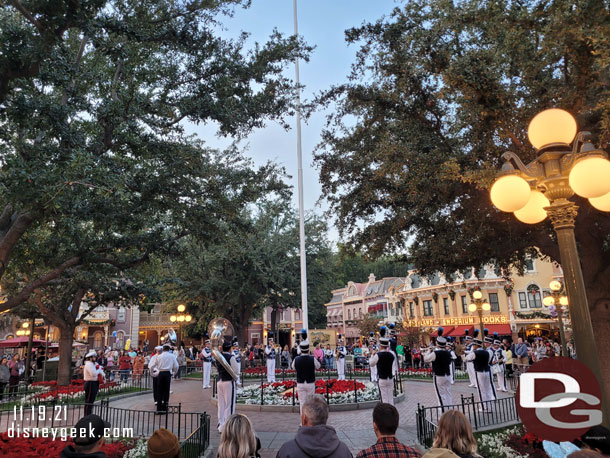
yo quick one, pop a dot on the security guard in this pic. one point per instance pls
(206, 357)
(226, 386)
(270, 354)
(237, 355)
(305, 366)
(481, 359)
(441, 367)
(341, 353)
(91, 373)
(167, 365)
(385, 362)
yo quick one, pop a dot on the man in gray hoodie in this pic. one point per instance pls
(315, 439)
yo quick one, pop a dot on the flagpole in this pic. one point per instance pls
(300, 178)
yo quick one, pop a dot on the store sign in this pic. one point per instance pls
(465, 321)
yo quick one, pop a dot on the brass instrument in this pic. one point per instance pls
(217, 330)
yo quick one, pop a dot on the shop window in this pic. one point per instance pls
(522, 301)
(410, 309)
(446, 305)
(464, 304)
(360, 313)
(427, 308)
(533, 297)
(493, 301)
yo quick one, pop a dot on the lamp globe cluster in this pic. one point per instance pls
(589, 176)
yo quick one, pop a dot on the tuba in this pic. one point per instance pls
(217, 329)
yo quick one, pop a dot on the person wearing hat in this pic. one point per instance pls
(451, 349)
(226, 386)
(498, 362)
(91, 374)
(441, 368)
(237, 356)
(270, 356)
(167, 365)
(88, 438)
(305, 366)
(341, 354)
(163, 444)
(385, 362)
(154, 373)
(472, 377)
(481, 359)
(206, 357)
(373, 350)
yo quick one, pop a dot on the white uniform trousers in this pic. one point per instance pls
(305, 391)
(374, 377)
(452, 368)
(207, 369)
(386, 390)
(501, 375)
(270, 370)
(487, 391)
(442, 387)
(341, 368)
(472, 376)
(226, 401)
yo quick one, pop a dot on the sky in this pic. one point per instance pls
(322, 24)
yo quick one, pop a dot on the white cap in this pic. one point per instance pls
(91, 353)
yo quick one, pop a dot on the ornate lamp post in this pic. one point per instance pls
(479, 306)
(567, 164)
(558, 300)
(180, 317)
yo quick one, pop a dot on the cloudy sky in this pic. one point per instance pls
(322, 24)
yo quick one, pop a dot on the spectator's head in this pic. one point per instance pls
(455, 433)
(385, 419)
(163, 444)
(285, 347)
(328, 346)
(315, 411)
(520, 340)
(237, 439)
(93, 439)
(597, 439)
(15, 357)
(4, 360)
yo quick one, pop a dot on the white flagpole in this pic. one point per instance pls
(300, 177)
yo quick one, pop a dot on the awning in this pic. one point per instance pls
(460, 330)
(446, 331)
(21, 342)
(501, 329)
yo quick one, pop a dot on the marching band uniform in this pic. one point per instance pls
(452, 367)
(226, 386)
(499, 360)
(469, 364)
(373, 369)
(206, 356)
(341, 353)
(481, 359)
(167, 365)
(270, 354)
(154, 373)
(441, 367)
(305, 366)
(237, 356)
(385, 362)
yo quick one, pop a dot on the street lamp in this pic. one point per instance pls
(479, 306)
(567, 164)
(558, 300)
(180, 317)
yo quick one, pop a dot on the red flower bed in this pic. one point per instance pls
(75, 387)
(20, 447)
(527, 445)
(338, 386)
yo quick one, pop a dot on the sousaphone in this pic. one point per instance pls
(219, 330)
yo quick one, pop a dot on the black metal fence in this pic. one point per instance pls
(194, 445)
(481, 414)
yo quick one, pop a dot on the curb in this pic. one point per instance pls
(125, 396)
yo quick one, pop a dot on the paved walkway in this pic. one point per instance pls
(355, 428)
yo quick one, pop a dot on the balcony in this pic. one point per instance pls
(156, 319)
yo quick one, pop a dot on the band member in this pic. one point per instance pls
(154, 373)
(373, 350)
(441, 367)
(92, 373)
(386, 363)
(206, 357)
(481, 359)
(270, 355)
(226, 386)
(499, 363)
(305, 365)
(341, 353)
(237, 355)
(453, 358)
(469, 364)
(167, 365)
(393, 338)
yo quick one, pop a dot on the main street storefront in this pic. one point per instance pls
(457, 327)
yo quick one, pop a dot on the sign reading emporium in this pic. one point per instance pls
(465, 321)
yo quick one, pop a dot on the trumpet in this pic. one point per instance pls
(217, 330)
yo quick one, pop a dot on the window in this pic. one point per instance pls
(120, 317)
(533, 297)
(360, 313)
(522, 301)
(97, 339)
(446, 305)
(349, 314)
(493, 301)
(464, 304)
(427, 308)
(411, 309)
(530, 266)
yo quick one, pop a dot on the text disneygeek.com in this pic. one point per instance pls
(65, 433)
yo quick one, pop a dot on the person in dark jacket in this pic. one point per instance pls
(315, 439)
(89, 438)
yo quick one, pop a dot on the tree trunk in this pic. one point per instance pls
(242, 330)
(273, 324)
(64, 370)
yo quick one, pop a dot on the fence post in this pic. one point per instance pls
(262, 390)
(474, 412)
(463, 406)
(294, 388)
(327, 397)
(179, 418)
(355, 393)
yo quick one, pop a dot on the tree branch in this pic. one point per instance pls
(12, 236)
(17, 4)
